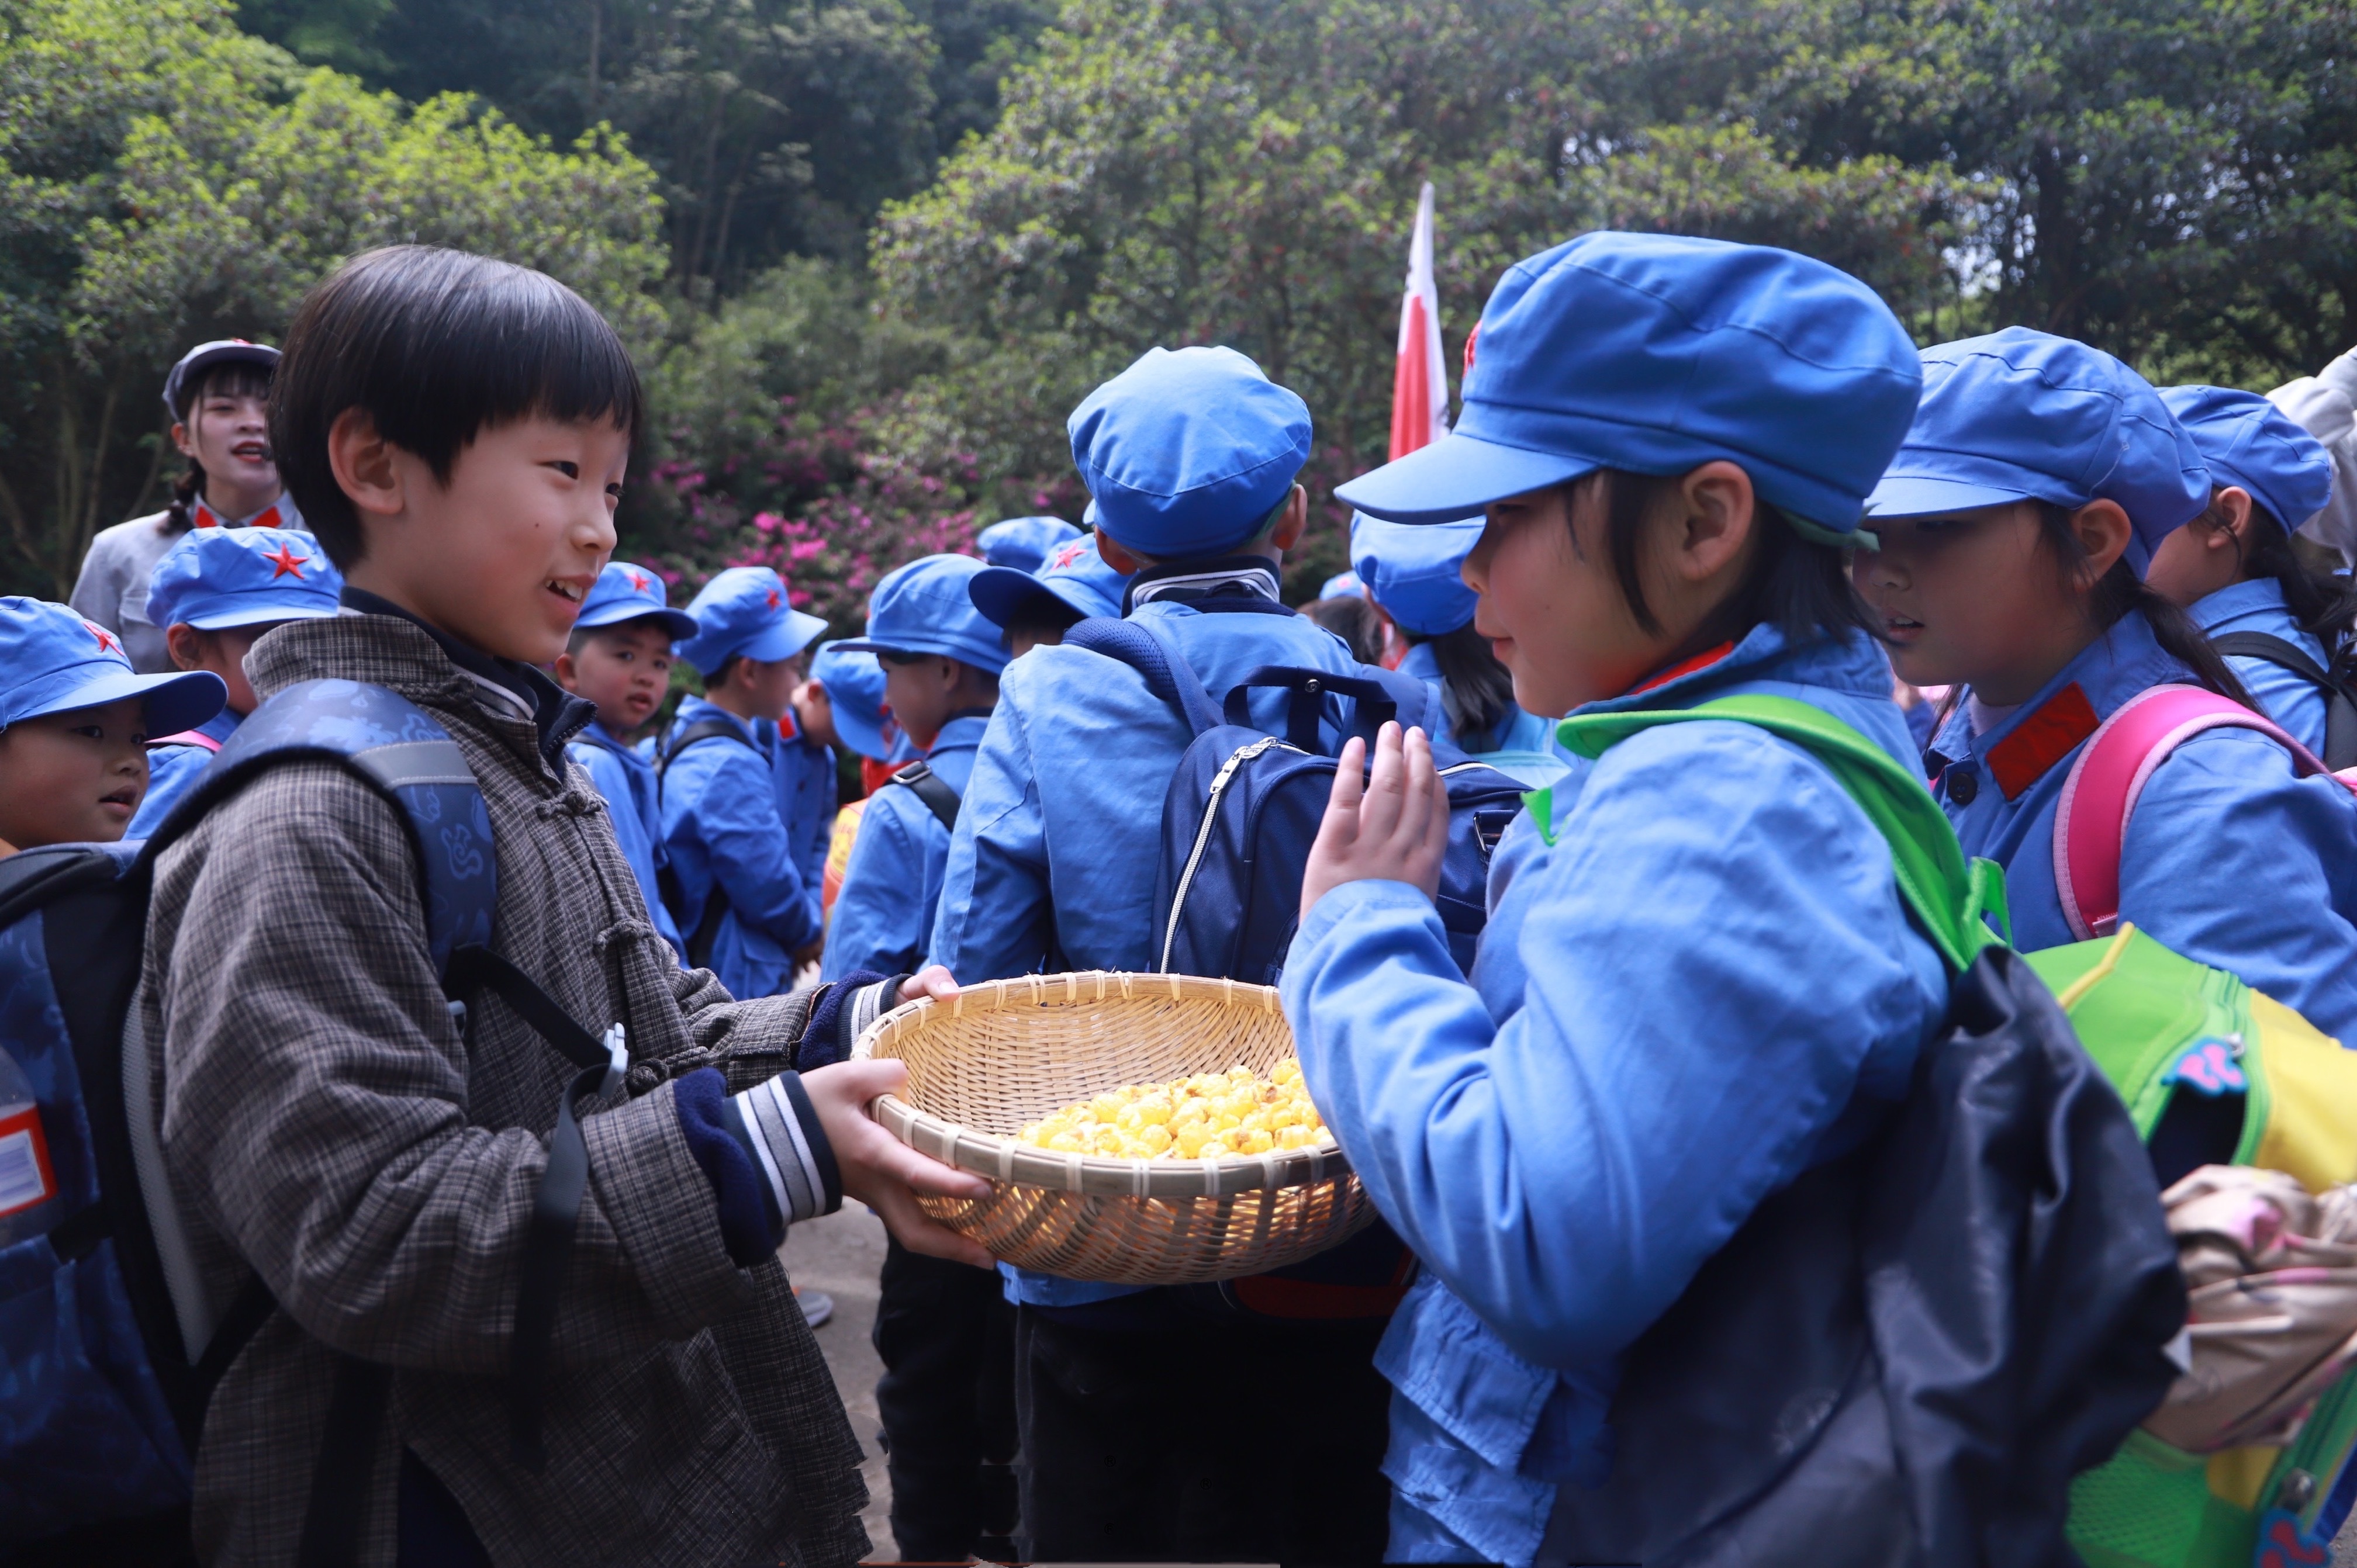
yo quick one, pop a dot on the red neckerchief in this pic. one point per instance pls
(1699, 661)
(268, 517)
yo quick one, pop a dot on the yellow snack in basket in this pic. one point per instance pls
(1205, 1116)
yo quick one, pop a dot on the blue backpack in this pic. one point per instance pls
(109, 1344)
(1243, 807)
(1237, 824)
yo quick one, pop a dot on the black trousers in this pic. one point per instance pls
(1207, 1440)
(947, 1339)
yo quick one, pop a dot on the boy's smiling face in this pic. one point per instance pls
(73, 777)
(500, 556)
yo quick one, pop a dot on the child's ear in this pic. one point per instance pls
(363, 464)
(2103, 531)
(1719, 513)
(2233, 504)
(565, 671)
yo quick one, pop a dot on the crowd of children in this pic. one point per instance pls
(1686, 471)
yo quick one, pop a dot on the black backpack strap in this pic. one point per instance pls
(931, 788)
(1168, 674)
(2340, 708)
(1376, 701)
(556, 1205)
(704, 930)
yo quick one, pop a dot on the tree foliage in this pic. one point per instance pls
(168, 179)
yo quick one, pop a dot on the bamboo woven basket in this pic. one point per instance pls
(1010, 1051)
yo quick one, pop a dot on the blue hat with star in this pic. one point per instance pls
(743, 612)
(1025, 543)
(52, 660)
(218, 578)
(924, 607)
(625, 593)
(1073, 586)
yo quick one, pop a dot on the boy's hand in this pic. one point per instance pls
(931, 981)
(883, 1172)
(1393, 828)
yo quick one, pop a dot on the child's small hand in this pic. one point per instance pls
(882, 1172)
(1393, 828)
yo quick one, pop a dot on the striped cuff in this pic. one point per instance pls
(782, 1128)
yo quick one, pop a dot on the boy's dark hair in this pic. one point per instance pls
(2122, 589)
(720, 677)
(1796, 584)
(2323, 604)
(231, 378)
(436, 345)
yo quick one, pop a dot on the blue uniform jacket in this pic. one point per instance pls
(1058, 844)
(883, 919)
(1525, 744)
(722, 828)
(1706, 985)
(2259, 606)
(627, 779)
(171, 769)
(806, 777)
(2230, 859)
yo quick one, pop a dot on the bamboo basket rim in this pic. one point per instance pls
(1003, 1159)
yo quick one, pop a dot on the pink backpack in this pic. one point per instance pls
(2100, 795)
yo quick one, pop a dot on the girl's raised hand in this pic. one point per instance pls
(1394, 828)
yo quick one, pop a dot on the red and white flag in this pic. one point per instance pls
(1419, 385)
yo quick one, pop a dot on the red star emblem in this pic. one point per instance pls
(106, 643)
(1070, 552)
(287, 563)
(639, 580)
(773, 598)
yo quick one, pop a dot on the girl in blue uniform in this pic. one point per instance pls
(1697, 979)
(2015, 528)
(2234, 568)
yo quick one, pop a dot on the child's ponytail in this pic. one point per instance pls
(2122, 589)
(1476, 690)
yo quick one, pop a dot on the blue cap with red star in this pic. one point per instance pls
(623, 593)
(243, 577)
(744, 611)
(1072, 584)
(52, 660)
(1025, 543)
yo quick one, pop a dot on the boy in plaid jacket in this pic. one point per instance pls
(457, 429)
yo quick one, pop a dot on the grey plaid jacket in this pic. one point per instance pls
(325, 1123)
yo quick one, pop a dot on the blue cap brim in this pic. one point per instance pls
(1925, 495)
(783, 640)
(258, 614)
(1455, 477)
(677, 625)
(1004, 596)
(173, 703)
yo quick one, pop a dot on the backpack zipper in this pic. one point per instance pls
(1203, 834)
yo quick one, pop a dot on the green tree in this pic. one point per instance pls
(169, 179)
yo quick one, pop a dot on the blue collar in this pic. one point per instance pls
(2040, 733)
(2258, 595)
(962, 732)
(220, 726)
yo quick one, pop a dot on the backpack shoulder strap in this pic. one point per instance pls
(1168, 674)
(2340, 706)
(2091, 822)
(1951, 899)
(931, 788)
(702, 729)
(396, 747)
